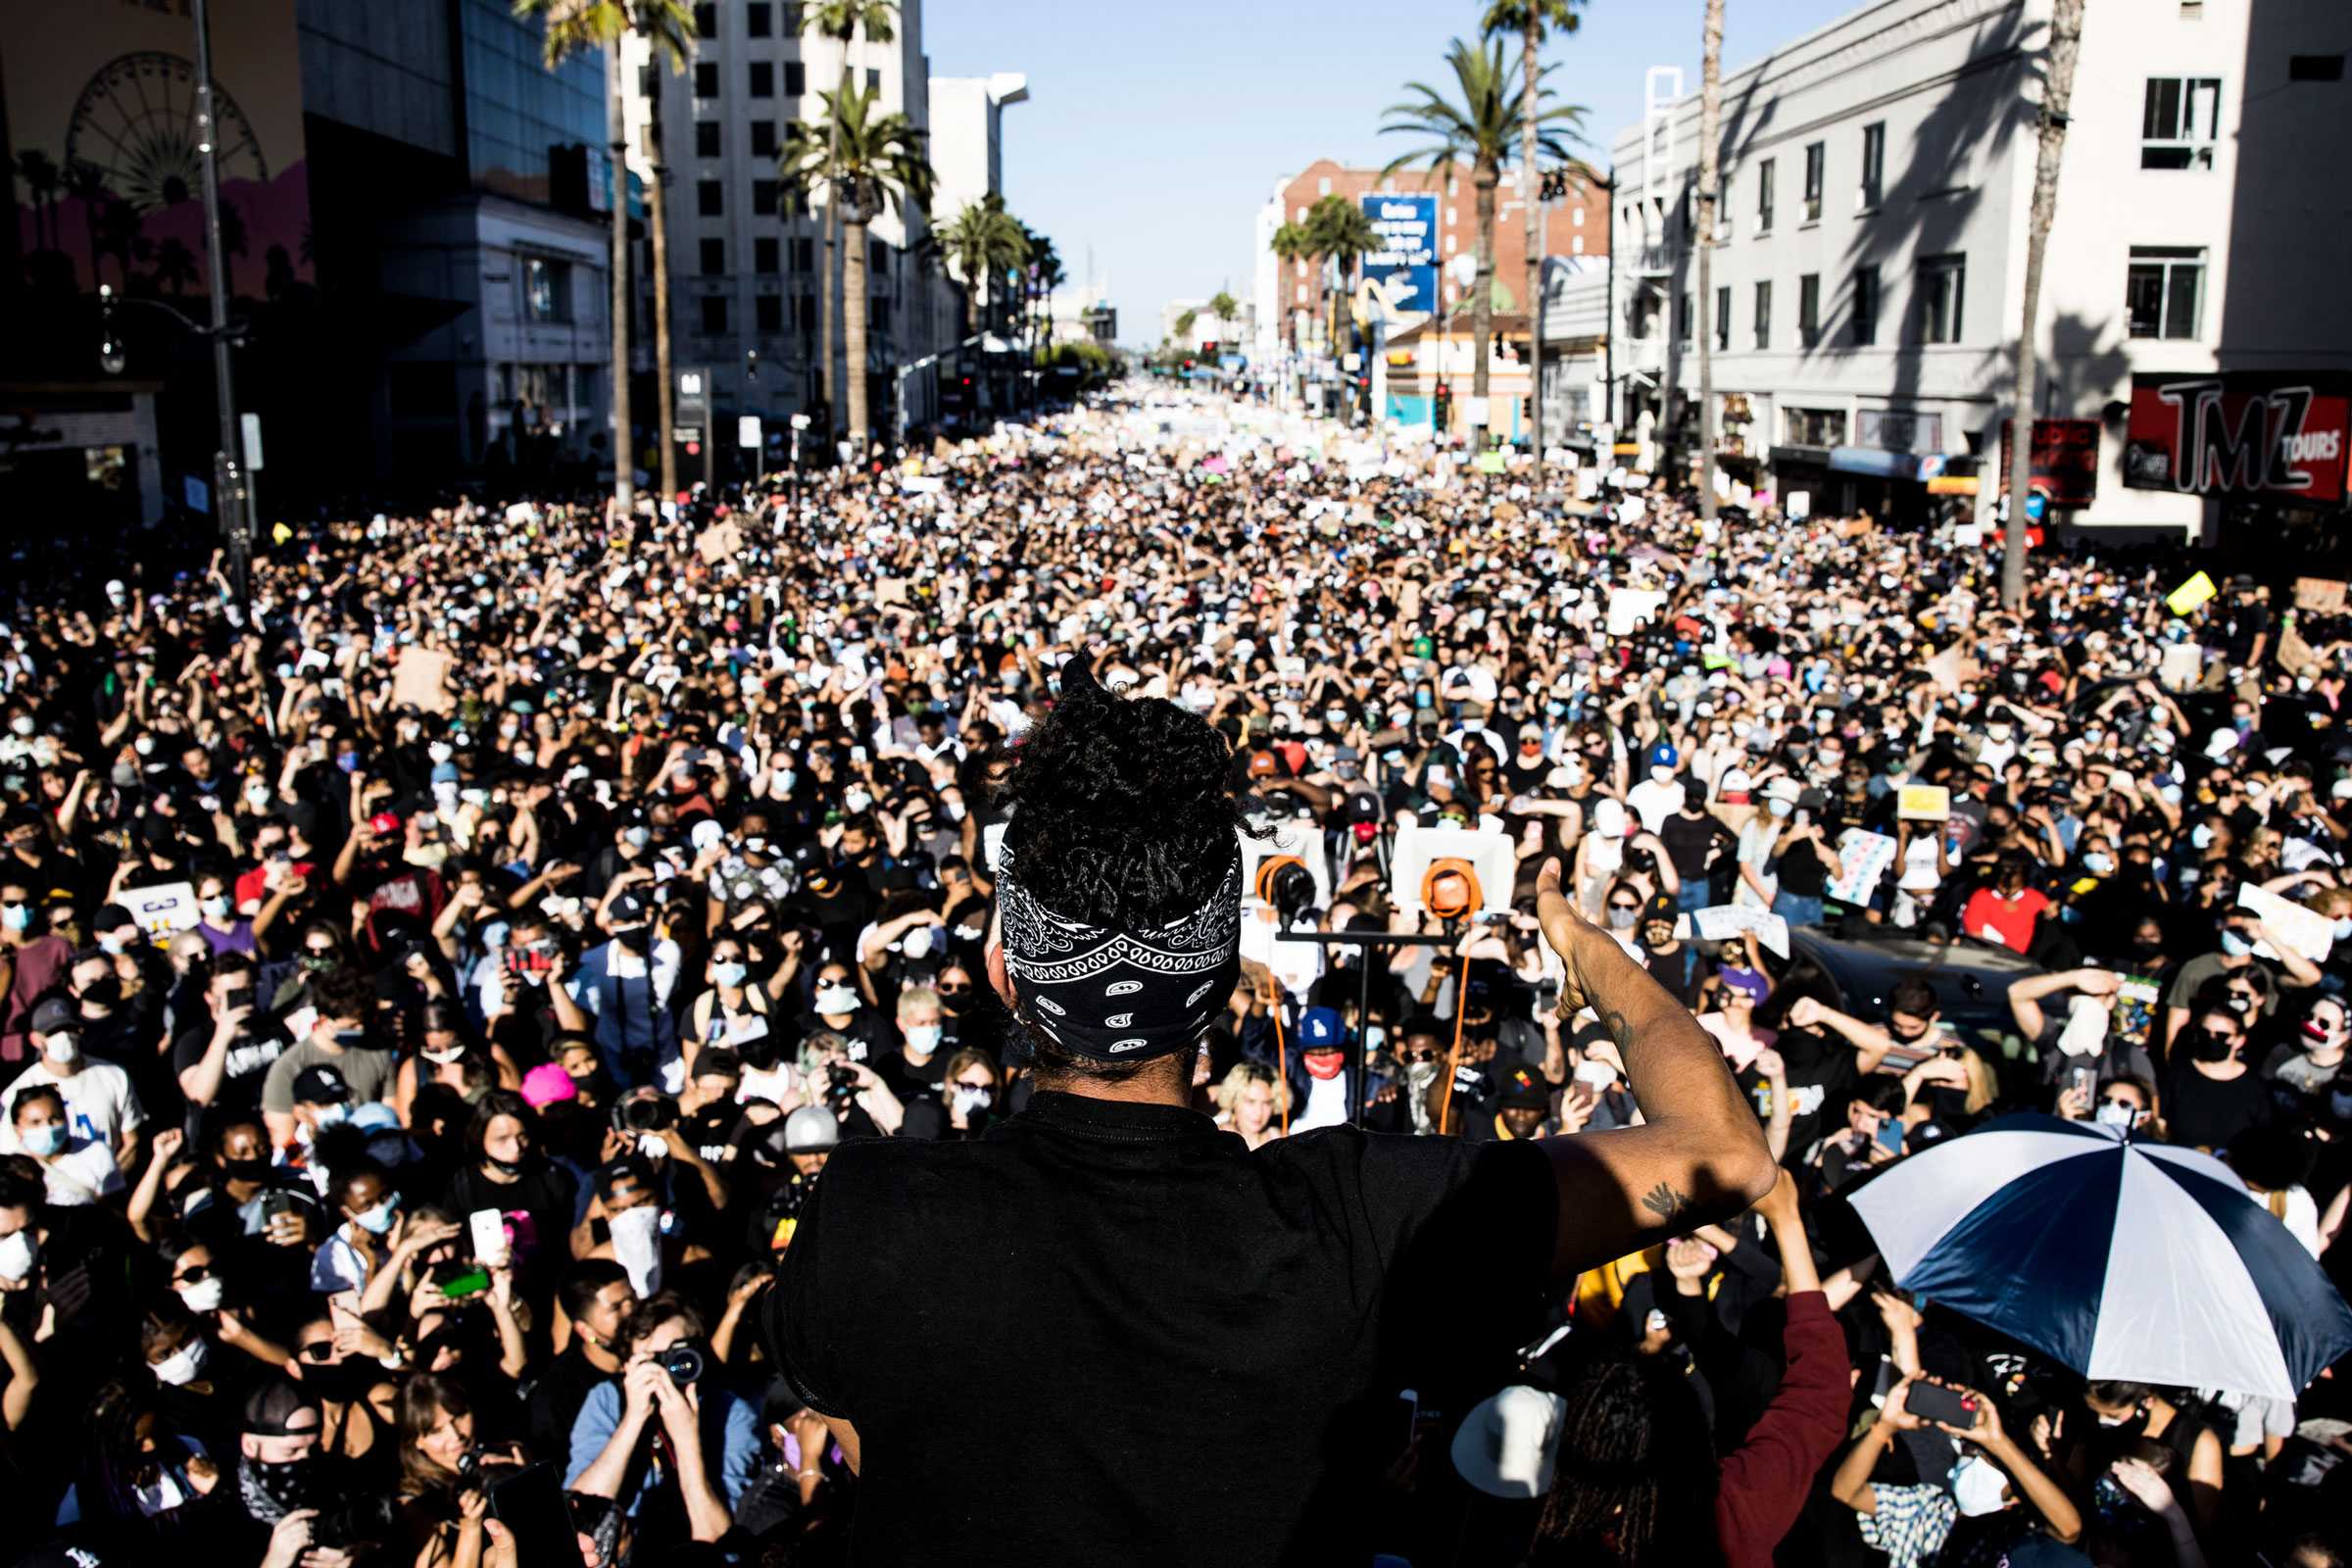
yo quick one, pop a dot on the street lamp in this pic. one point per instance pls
(232, 487)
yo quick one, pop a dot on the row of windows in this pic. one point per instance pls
(2164, 296)
(767, 256)
(759, 79)
(768, 313)
(2181, 121)
(707, 133)
(758, 20)
(769, 199)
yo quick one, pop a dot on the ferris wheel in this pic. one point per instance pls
(135, 123)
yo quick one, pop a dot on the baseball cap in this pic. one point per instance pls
(1506, 1444)
(113, 917)
(811, 1128)
(1524, 1091)
(629, 907)
(1662, 756)
(546, 1083)
(55, 1016)
(1263, 764)
(1783, 789)
(1320, 1029)
(1735, 781)
(385, 821)
(320, 1084)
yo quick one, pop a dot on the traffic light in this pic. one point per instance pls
(1445, 405)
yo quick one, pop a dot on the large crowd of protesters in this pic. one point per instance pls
(431, 986)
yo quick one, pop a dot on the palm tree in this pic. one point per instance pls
(232, 243)
(1530, 19)
(1186, 321)
(864, 161)
(85, 182)
(1483, 128)
(1290, 245)
(1710, 175)
(574, 26)
(40, 176)
(175, 267)
(1338, 231)
(981, 242)
(1222, 307)
(1047, 276)
(2066, 44)
(844, 21)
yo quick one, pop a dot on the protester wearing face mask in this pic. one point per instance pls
(340, 1039)
(917, 1065)
(2241, 933)
(1996, 1475)
(75, 1170)
(837, 1005)
(38, 961)
(2210, 1093)
(2307, 1069)
(596, 1302)
(735, 1010)
(2124, 1412)
(359, 1244)
(620, 992)
(101, 1105)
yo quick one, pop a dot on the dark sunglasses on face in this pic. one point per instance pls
(319, 1350)
(953, 991)
(193, 1274)
(1614, 904)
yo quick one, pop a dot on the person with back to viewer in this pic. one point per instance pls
(1135, 1308)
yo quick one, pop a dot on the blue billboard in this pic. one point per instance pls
(1407, 264)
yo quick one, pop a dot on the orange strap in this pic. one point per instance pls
(1282, 1057)
(1453, 1060)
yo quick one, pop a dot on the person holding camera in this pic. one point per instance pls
(444, 1465)
(672, 1451)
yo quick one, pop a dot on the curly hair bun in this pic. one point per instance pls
(1124, 812)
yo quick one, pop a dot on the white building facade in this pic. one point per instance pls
(1868, 265)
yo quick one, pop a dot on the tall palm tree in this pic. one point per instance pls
(1222, 307)
(574, 28)
(85, 182)
(175, 267)
(2058, 94)
(1483, 128)
(42, 177)
(1290, 245)
(1530, 19)
(864, 161)
(1186, 321)
(981, 242)
(846, 22)
(1048, 276)
(1337, 232)
(1710, 175)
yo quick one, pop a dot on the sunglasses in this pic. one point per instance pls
(953, 991)
(193, 1274)
(975, 1083)
(319, 1350)
(1616, 905)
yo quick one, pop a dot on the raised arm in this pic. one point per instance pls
(1699, 1154)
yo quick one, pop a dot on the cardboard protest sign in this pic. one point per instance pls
(1865, 856)
(1922, 803)
(2308, 932)
(2320, 595)
(422, 678)
(721, 540)
(163, 910)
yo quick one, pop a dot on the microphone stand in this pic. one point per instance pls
(1367, 942)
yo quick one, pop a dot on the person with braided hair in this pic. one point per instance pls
(1133, 1310)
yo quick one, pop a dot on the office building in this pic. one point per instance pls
(1868, 260)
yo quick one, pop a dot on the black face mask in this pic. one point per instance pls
(2210, 1046)
(510, 1167)
(639, 939)
(103, 993)
(271, 1491)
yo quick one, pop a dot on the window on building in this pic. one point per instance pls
(2180, 119)
(768, 312)
(1815, 427)
(1865, 306)
(546, 289)
(2315, 68)
(878, 312)
(1723, 318)
(1943, 287)
(759, 19)
(806, 313)
(2163, 290)
(715, 315)
(1578, 214)
(1682, 317)
(873, 78)
(796, 79)
(705, 21)
(1764, 314)
(715, 256)
(709, 198)
(763, 197)
(803, 255)
(768, 255)
(1817, 160)
(764, 138)
(1576, 244)
(1323, 185)
(796, 19)
(763, 79)
(706, 79)
(1874, 164)
(705, 138)
(877, 259)
(1808, 310)
(1764, 197)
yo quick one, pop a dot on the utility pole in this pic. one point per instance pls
(233, 489)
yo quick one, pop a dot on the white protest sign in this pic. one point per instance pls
(163, 910)
(2308, 932)
(1721, 922)
(1864, 856)
(1629, 606)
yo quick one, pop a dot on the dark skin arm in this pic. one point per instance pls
(1699, 1156)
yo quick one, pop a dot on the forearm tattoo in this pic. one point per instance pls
(1664, 1202)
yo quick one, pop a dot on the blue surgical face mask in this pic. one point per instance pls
(43, 1141)
(2200, 837)
(2236, 946)
(331, 1116)
(2098, 862)
(379, 1220)
(730, 974)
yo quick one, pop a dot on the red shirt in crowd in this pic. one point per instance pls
(2011, 919)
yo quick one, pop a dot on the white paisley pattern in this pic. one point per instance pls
(1088, 967)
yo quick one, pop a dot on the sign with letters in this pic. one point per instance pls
(2280, 434)
(1405, 266)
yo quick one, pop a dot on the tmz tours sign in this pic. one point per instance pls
(2252, 433)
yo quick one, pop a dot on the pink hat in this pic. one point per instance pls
(546, 1083)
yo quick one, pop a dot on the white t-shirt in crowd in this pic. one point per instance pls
(100, 1103)
(83, 1174)
(1326, 1105)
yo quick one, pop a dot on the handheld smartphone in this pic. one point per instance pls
(1891, 1135)
(343, 1307)
(1932, 1401)
(459, 1280)
(275, 1201)
(530, 1503)
(1884, 1384)
(2083, 1080)
(488, 1228)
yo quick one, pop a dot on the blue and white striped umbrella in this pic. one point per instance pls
(2120, 1258)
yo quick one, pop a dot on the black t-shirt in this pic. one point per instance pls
(1820, 1073)
(910, 1080)
(249, 1058)
(1163, 1316)
(1686, 839)
(1801, 873)
(2204, 1112)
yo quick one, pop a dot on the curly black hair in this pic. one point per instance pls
(1124, 812)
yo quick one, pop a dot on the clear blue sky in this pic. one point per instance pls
(1155, 133)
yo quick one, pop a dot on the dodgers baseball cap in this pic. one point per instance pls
(1321, 1029)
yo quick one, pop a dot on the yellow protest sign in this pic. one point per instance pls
(2190, 594)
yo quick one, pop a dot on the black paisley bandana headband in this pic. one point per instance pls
(1122, 996)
